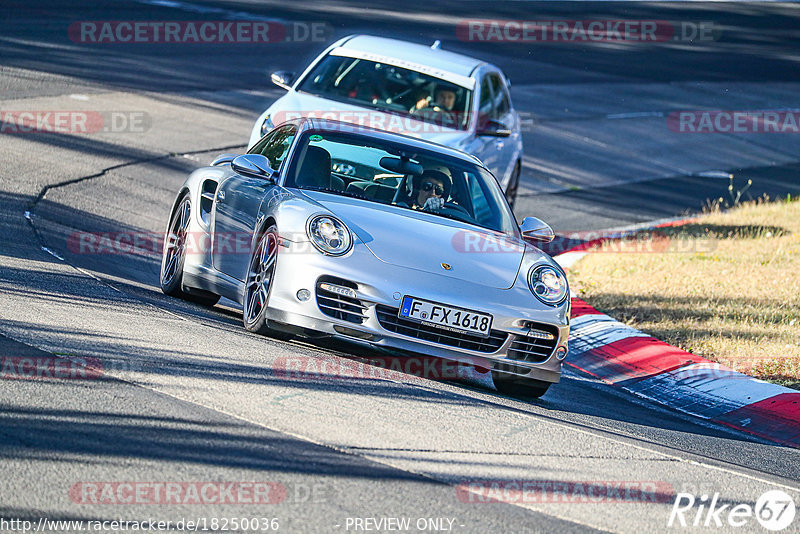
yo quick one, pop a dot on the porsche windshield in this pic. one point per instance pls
(374, 170)
(390, 89)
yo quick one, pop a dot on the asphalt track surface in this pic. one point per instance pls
(188, 396)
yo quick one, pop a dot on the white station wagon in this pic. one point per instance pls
(427, 92)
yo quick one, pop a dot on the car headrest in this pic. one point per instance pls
(315, 171)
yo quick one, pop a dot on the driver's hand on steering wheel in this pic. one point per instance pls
(433, 204)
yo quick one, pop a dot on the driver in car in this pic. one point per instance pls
(431, 189)
(444, 99)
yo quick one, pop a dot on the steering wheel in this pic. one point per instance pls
(456, 207)
(458, 211)
(435, 114)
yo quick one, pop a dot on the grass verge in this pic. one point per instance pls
(725, 287)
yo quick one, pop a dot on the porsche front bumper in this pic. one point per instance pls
(378, 288)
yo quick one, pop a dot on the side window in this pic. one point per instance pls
(501, 100)
(485, 105)
(276, 144)
(480, 206)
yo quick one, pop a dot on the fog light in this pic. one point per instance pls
(303, 295)
(339, 290)
(561, 352)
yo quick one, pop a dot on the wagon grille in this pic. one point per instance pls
(339, 306)
(535, 347)
(389, 320)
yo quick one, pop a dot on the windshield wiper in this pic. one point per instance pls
(463, 218)
(336, 192)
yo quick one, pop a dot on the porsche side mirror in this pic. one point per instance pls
(534, 229)
(282, 78)
(254, 165)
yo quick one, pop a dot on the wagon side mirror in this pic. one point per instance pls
(283, 79)
(224, 159)
(493, 128)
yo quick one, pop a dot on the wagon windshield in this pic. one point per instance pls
(390, 89)
(386, 172)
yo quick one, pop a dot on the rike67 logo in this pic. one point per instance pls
(774, 510)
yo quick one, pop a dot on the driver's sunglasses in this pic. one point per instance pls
(437, 189)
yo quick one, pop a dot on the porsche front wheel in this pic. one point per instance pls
(260, 275)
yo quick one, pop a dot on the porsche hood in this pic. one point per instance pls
(429, 243)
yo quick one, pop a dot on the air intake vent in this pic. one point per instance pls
(335, 303)
(537, 346)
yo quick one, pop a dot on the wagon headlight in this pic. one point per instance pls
(267, 125)
(548, 284)
(329, 235)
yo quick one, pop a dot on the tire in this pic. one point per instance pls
(258, 284)
(513, 185)
(173, 258)
(519, 387)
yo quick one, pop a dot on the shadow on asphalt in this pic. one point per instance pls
(137, 277)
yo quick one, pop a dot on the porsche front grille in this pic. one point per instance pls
(339, 306)
(535, 347)
(389, 320)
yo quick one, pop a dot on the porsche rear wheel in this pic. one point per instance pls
(519, 387)
(174, 256)
(259, 281)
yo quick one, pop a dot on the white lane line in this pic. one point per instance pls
(635, 115)
(228, 14)
(52, 253)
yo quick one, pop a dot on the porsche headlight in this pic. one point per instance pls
(267, 125)
(329, 235)
(548, 284)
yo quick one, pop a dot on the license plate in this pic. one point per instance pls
(446, 317)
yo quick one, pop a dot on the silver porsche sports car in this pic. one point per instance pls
(330, 229)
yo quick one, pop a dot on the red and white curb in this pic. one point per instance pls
(622, 356)
(627, 358)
